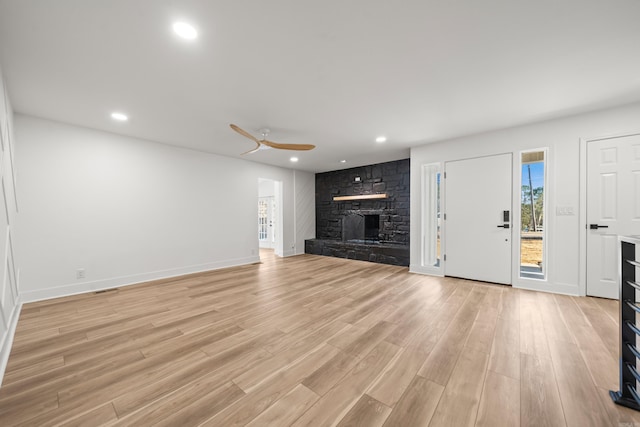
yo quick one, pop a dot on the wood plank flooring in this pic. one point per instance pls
(314, 341)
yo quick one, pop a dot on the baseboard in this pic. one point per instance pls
(98, 285)
(530, 285)
(290, 252)
(7, 340)
(554, 288)
(429, 271)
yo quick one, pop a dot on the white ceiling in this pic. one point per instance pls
(333, 73)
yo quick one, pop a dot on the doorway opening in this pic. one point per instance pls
(269, 216)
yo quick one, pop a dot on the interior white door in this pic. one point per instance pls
(266, 226)
(477, 237)
(613, 208)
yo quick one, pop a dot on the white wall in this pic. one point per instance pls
(563, 137)
(127, 210)
(305, 208)
(10, 275)
(266, 188)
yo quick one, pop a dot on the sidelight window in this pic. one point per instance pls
(533, 196)
(431, 174)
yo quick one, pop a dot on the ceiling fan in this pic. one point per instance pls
(263, 143)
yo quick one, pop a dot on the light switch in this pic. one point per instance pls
(564, 211)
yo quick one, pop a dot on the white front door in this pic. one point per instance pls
(478, 218)
(266, 229)
(613, 208)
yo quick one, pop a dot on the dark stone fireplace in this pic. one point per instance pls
(374, 230)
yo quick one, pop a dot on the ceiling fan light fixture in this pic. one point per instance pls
(263, 144)
(185, 30)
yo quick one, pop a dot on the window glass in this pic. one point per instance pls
(532, 215)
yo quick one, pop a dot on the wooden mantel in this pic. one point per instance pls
(360, 197)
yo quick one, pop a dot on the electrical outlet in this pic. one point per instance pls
(80, 273)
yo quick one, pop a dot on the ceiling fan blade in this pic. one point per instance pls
(244, 133)
(298, 147)
(252, 151)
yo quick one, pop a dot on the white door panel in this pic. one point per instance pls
(266, 222)
(478, 191)
(613, 206)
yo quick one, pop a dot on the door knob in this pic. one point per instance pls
(596, 226)
(503, 226)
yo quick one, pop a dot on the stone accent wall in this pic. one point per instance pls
(391, 178)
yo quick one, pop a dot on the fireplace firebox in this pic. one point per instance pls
(359, 228)
(371, 227)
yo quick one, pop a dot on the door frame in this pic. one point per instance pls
(582, 218)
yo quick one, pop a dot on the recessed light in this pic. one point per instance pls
(294, 159)
(184, 30)
(381, 139)
(343, 161)
(119, 117)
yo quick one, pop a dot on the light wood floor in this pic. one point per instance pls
(312, 340)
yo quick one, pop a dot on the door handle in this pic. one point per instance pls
(503, 226)
(596, 226)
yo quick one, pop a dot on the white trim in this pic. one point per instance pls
(10, 265)
(6, 202)
(582, 219)
(544, 286)
(80, 288)
(4, 325)
(289, 252)
(279, 220)
(295, 213)
(428, 271)
(582, 215)
(6, 342)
